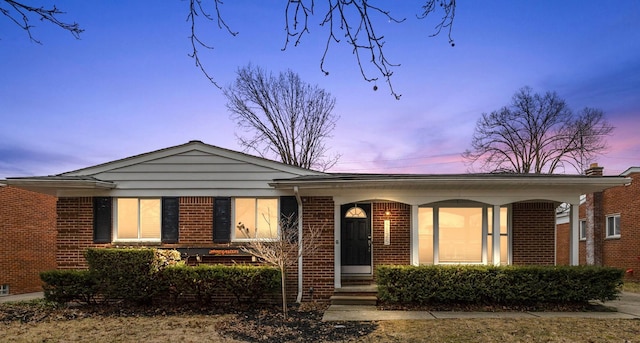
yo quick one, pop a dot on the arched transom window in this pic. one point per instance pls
(355, 212)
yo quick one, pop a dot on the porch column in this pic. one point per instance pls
(496, 235)
(574, 235)
(415, 229)
(337, 270)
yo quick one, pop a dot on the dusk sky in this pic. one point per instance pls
(128, 86)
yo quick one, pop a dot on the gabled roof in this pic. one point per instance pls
(631, 170)
(193, 168)
(191, 146)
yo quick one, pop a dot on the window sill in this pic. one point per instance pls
(137, 243)
(612, 237)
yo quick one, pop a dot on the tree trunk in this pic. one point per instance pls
(283, 277)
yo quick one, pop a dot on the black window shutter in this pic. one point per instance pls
(289, 217)
(170, 219)
(222, 220)
(102, 216)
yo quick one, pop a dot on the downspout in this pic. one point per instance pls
(299, 200)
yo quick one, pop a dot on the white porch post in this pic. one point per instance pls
(574, 235)
(415, 228)
(337, 272)
(496, 235)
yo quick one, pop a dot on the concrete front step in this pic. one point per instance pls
(360, 300)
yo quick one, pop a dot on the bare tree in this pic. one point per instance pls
(20, 14)
(283, 252)
(537, 133)
(286, 118)
(352, 19)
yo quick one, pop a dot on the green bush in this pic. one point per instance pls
(63, 286)
(208, 283)
(509, 285)
(124, 274)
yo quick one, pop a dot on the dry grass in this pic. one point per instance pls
(201, 328)
(631, 286)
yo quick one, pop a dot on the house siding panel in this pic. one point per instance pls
(28, 235)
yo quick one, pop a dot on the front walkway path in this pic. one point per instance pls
(627, 307)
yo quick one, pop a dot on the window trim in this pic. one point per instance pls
(485, 231)
(582, 230)
(614, 235)
(115, 238)
(4, 290)
(233, 220)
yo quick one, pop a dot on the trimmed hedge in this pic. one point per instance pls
(209, 283)
(505, 285)
(124, 274)
(62, 286)
(140, 276)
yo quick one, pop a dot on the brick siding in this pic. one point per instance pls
(399, 249)
(318, 214)
(623, 252)
(533, 233)
(28, 235)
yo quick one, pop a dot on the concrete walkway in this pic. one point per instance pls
(21, 297)
(627, 307)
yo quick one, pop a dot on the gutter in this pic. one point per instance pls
(300, 245)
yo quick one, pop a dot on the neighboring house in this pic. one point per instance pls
(609, 229)
(193, 196)
(28, 237)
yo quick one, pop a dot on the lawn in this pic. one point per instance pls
(39, 322)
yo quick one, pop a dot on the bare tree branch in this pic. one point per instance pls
(288, 119)
(20, 14)
(196, 11)
(537, 134)
(285, 251)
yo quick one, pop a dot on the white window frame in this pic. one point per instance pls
(485, 240)
(115, 222)
(233, 220)
(4, 290)
(614, 234)
(582, 229)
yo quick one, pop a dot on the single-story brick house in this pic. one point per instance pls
(28, 236)
(193, 196)
(609, 226)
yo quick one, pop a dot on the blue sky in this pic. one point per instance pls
(128, 87)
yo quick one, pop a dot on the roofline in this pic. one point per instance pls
(92, 170)
(39, 183)
(630, 170)
(448, 180)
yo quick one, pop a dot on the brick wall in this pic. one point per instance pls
(318, 213)
(562, 244)
(399, 249)
(75, 232)
(533, 233)
(27, 233)
(196, 220)
(623, 252)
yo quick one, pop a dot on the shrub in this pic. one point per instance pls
(209, 283)
(123, 274)
(62, 286)
(508, 285)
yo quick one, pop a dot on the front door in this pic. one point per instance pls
(356, 239)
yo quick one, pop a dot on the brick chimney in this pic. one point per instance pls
(594, 170)
(594, 220)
